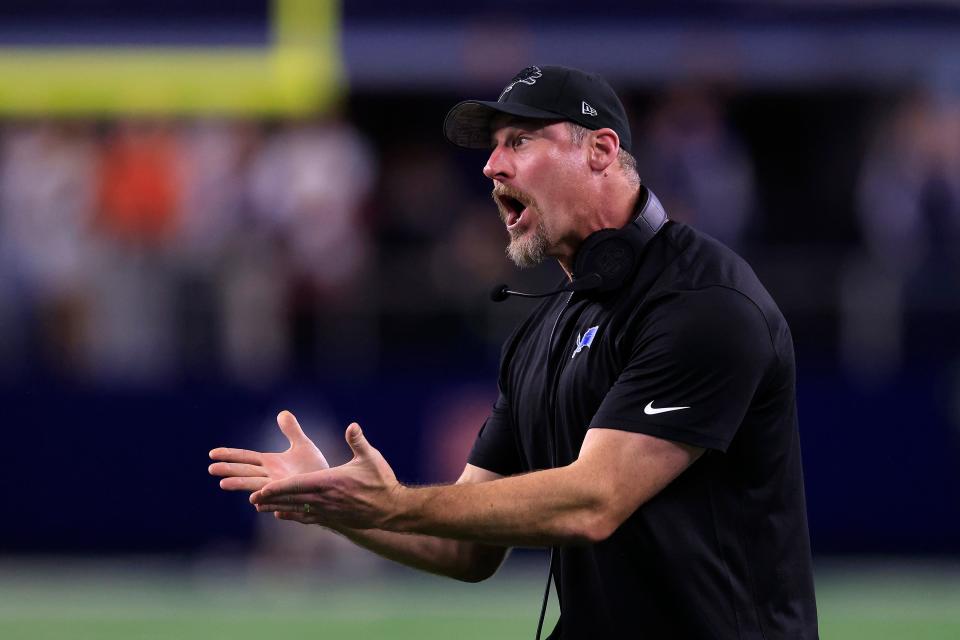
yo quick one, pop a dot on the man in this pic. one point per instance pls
(646, 423)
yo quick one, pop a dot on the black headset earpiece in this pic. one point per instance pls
(610, 253)
(614, 254)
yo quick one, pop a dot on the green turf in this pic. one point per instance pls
(87, 601)
(889, 602)
(90, 603)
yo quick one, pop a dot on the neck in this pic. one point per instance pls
(612, 208)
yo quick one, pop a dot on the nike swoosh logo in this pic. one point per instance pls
(651, 411)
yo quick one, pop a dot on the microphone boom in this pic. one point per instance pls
(590, 281)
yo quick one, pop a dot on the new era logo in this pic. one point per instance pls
(587, 109)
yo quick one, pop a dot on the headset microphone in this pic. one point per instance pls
(590, 281)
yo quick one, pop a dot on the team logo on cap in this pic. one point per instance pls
(527, 76)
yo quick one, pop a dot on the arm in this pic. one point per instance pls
(243, 470)
(615, 473)
(584, 502)
(713, 367)
(460, 559)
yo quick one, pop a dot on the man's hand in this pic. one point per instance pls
(361, 494)
(244, 470)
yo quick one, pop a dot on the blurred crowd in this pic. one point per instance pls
(901, 290)
(134, 249)
(138, 250)
(145, 249)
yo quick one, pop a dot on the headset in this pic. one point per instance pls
(607, 258)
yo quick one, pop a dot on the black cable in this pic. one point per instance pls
(546, 594)
(553, 463)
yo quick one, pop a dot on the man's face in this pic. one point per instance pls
(536, 170)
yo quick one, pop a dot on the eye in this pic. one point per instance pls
(519, 140)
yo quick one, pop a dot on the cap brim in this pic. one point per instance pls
(468, 123)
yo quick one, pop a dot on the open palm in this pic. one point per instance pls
(245, 470)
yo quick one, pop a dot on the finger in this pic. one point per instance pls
(237, 455)
(302, 518)
(300, 507)
(243, 484)
(285, 498)
(236, 469)
(357, 441)
(278, 508)
(286, 515)
(290, 427)
(301, 483)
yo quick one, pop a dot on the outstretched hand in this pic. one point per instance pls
(360, 494)
(244, 470)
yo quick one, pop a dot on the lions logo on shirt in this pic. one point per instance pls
(585, 340)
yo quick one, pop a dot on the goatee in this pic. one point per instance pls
(528, 250)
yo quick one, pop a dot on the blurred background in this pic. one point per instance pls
(213, 211)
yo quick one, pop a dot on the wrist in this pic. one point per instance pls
(401, 503)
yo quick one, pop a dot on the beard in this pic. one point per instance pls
(530, 248)
(527, 248)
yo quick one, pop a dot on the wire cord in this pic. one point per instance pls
(546, 593)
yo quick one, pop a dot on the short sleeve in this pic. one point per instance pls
(495, 448)
(693, 370)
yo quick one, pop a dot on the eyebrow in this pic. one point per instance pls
(517, 122)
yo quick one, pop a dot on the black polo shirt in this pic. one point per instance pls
(723, 551)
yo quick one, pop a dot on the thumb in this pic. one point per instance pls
(355, 438)
(290, 427)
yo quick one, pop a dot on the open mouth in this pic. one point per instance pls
(512, 209)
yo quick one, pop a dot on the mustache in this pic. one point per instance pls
(506, 191)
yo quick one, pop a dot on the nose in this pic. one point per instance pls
(498, 165)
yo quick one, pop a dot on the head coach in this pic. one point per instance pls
(645, 426)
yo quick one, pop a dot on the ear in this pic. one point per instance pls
(604, 146)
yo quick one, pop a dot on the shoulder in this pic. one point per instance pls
(705, 277)
(712, 321)
(701, 260)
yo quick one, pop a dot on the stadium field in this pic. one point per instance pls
(141, 601)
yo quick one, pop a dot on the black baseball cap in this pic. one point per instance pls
(543, 93)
